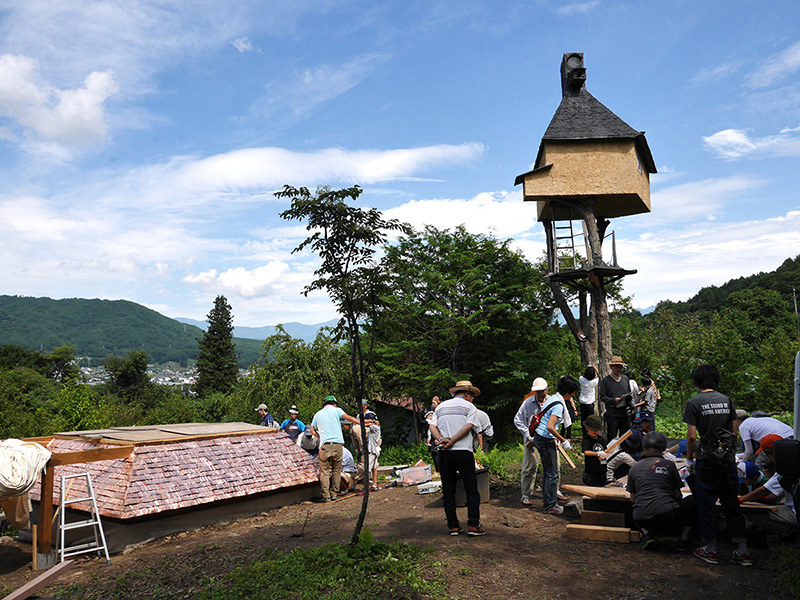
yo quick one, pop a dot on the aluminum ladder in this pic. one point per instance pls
(99, 543)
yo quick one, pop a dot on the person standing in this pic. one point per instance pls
(327, 427)
(293, 426)
(711, 415)
(545, 438)
(615, 393)
(588, 396)
(455, 420)
(266, 418)
(531, 405)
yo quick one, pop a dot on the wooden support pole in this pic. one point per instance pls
(45, 558)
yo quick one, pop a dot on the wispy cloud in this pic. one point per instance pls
(776, 68)
(686, 260)
(243, 44)
(700, 200)
(315, 86)
(579, 8)
(736, 143)
(714, 74)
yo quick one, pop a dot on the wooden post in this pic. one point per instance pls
(46, 557)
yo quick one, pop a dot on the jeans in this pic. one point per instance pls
(549, 454)
(453, 463)
(715, 481)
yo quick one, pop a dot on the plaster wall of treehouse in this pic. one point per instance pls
(591, 167)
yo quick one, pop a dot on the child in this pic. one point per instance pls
(373, 447)
(594, 472)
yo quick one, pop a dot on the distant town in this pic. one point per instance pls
(171, 374)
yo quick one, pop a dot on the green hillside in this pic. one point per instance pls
(711, 299)
(99, 328)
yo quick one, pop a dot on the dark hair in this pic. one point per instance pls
(646, 372)
(567, 385)
(590, 373)
(646, 381)
(706, 377)
(655, 439)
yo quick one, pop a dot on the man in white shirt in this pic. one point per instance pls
(455, 421)
(753, 429)
(532, 405)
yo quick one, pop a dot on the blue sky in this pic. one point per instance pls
(141, 142)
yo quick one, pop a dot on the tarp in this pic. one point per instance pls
(20, 465)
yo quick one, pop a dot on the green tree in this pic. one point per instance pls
(465, 306)
(345, 238)
(128, 376)
(217, 364)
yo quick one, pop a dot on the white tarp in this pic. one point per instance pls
(20, 465)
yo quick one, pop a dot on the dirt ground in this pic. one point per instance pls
(533, 561)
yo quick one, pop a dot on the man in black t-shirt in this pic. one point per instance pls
(709, 414)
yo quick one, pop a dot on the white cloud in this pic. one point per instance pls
(315, 86)
(736, 143)
(54, 120)
(712, 75)
(776, 68)
(502, 214)
(675, 264)
(243, 44)
(577, 9)
(255, 283)
(699, 200)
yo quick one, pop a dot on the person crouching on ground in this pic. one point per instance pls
(594, 445)
(545, 438)
(655, 488)
(455, 420)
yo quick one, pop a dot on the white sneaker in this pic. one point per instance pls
(526, 501)
(556, 510)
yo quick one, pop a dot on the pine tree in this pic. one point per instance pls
(217, 365)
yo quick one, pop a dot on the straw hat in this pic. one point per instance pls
(465, 386)
(617, 360)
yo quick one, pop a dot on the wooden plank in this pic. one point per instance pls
(598, 533)
(604, 493)
(613, 446)
(91, 455)
(636, 536)
(757, 506)
(564, 453)
(594, 517)
(41, 582)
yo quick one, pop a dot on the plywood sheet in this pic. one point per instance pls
(209, 428)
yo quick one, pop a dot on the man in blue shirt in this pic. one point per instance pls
(326, 426)
(293, 426)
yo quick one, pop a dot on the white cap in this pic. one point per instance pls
(539, 385)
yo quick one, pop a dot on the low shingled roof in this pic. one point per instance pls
(173, 467)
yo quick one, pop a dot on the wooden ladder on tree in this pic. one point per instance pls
(99, 543)
(564, 257)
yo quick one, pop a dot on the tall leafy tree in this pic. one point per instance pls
(217, 365)
(345, 237)
(466, 306)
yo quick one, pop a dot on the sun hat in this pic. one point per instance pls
(645, 415)
(329, 400)
(465, 386)
(261, 407)
(617, 360)
(539, 384)
(593, 422)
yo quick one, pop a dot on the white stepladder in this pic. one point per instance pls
(99, 543)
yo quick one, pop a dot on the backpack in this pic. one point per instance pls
(537, 418)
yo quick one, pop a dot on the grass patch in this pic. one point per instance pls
(498, 459)
(376, 570)
(786, 561)
(405, 455)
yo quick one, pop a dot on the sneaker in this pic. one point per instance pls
(526, 501)
(333, 498)
(456, 531)
(556, 510)
(648, 541)
(473, 531)
(742, 559)
(706, 555)
(562, 497)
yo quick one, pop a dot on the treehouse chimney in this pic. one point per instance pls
(588, 154)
